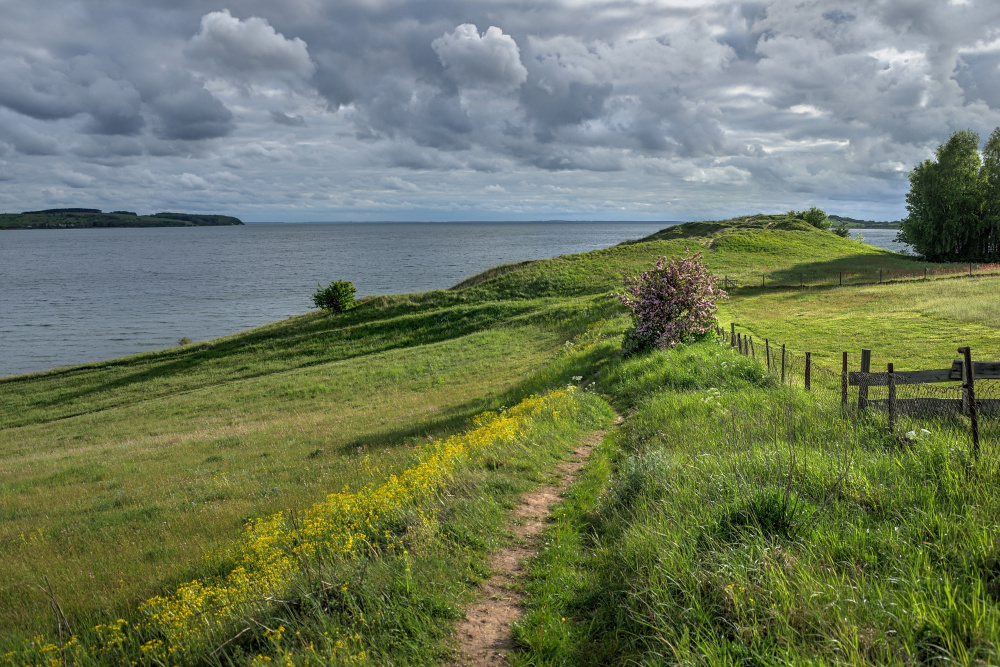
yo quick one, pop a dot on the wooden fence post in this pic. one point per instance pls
(866, 367)
(808, 371)
(767, 350)
(893, 414)
(841, 278)
(782, 363)
(880, 276)
(732, 334)
(970, 390)
(762, 280)
(753, 350)
(843, 380)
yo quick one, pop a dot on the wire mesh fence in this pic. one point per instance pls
(791, 278)
(903, 401)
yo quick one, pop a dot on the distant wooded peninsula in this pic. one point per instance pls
(854, 223)
(86, 218)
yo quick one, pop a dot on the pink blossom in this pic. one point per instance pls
(672, 303)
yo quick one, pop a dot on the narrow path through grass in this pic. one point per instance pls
(484, 635)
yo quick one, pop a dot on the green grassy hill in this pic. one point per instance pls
(730, 519)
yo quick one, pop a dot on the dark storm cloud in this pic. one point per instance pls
(36, 91)
(80, 85)
(334, 81)
(574, 103)
(23, 139)
(979, 76)
(286, 119)
(191, 114)
(741, 32)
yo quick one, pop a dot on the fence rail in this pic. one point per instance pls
(948, 393)
(786, 279)
(983, 370)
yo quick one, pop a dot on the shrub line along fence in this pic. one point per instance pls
(871, 277)
(899, 393)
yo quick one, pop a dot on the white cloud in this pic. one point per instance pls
(250, 46)
(193, 181)
(488, 60)
(718, 175)
(75, 179)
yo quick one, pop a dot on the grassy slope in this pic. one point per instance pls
(116, 476)
(915, 326)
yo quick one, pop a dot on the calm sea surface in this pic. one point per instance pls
(78, 295)
(882, 238)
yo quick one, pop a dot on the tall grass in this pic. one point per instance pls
(747, 523)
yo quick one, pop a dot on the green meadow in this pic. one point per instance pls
(730, 519)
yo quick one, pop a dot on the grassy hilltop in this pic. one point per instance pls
(729, 519)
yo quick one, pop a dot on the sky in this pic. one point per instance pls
(310, 110)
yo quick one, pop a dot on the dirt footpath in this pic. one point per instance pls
(485, 634)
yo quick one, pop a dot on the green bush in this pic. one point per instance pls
(336, 297)
(814, 216)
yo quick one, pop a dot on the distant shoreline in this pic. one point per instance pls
(853, 223)
(89, 218)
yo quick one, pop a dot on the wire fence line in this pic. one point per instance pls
(900, 400)
(884, 276)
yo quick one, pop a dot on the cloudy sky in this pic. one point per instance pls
(473, 110)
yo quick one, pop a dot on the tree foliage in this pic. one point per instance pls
(815, 216)
(954, 201)
(672, 303)
(336, 297)
(842, 230)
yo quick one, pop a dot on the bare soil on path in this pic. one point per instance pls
(484, 636)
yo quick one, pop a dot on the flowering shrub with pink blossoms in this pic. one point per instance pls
(672, 303)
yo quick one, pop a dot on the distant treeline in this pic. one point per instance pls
(78, 218)
(64, 210)
(864, 224)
